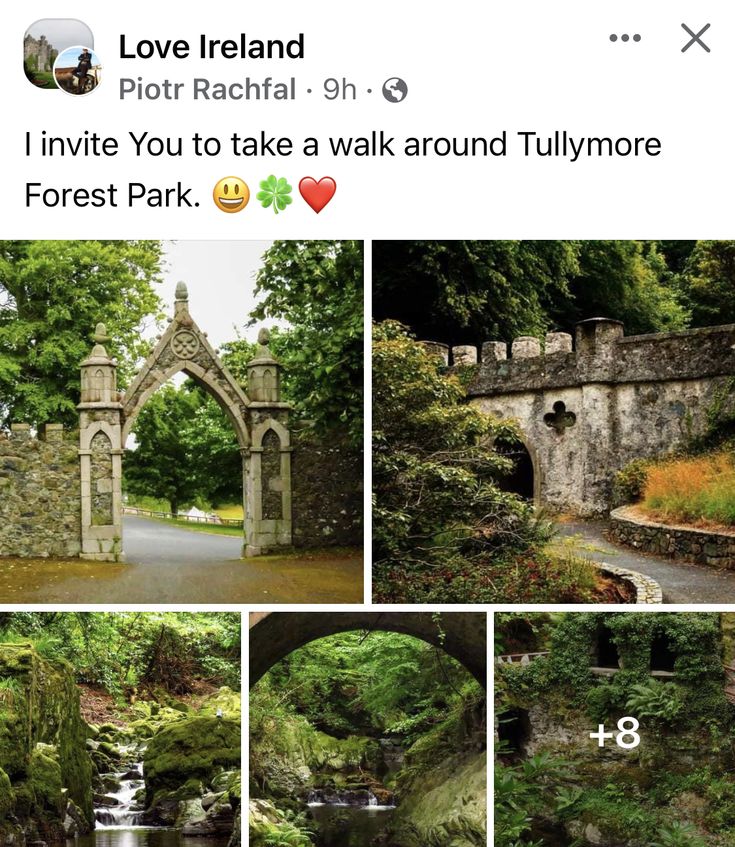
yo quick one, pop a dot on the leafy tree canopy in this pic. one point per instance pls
(186, 451)
(462, 292)
(317, 288)
(52, 295)
(126, 650)
(367, 683)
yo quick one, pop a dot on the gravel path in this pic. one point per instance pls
(679, 581)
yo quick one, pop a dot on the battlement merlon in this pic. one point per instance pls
(22, 432)
(603, 354)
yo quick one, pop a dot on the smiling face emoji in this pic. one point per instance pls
(231, 194)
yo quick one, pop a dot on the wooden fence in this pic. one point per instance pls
(149, 513)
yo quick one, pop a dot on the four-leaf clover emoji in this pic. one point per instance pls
(275, 192)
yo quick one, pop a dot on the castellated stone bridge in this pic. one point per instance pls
(587, 408)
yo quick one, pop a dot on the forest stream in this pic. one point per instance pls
(355, 816)
(121, 729)
(367, 741)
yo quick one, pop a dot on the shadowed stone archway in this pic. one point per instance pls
(273, 635)
(258, 417)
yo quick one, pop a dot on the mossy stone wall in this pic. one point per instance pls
(42, 741)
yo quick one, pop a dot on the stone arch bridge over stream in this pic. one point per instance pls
(273, 635)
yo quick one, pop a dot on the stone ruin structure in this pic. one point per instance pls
(60, 499)
(588, 406)
(40, 52)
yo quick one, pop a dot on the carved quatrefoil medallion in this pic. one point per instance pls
(185, 344)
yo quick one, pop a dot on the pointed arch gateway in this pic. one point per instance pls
(258, 417)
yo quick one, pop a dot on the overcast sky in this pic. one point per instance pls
(62, 32)
(220, 276)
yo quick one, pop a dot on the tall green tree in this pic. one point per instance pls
(708, 283)
(627, 281)
(159, 466)
(52, 295)
(467, 292)
(186, 451)
(317, 288)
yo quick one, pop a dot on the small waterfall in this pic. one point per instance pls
(358, 798)
(124, 813)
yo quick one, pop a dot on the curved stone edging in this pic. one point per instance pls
(647, 590)
(701, 546)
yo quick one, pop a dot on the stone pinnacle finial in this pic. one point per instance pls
(182, 292)
(264, 336)
(100, 334)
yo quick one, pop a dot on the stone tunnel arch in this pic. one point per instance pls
(524, 479)
(273, 635)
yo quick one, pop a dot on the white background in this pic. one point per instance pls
(472, 69)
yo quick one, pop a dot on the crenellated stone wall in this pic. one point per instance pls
(40, 505)
(586, 407)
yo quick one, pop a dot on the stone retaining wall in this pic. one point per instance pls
(40, 511)
(646, 590)
(703, 547)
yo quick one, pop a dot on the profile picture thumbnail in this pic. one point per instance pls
(44, 40)
(78, 70)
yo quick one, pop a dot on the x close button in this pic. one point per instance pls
(696, 38)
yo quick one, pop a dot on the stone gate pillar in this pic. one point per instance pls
(267, 461)
(100, 454)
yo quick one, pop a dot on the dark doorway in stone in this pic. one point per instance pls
(662, 656)
(520, 480)
(514, 731)
(607, 655)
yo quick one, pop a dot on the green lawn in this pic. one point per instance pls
(230, 511)
(212, 528)
(44, 79)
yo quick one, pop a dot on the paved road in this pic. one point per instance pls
(166, 564)
(680, 582)
(148, 542)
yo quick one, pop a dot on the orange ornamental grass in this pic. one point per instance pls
(697, 490)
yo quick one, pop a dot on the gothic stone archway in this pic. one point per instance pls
(273, 635)
(259, 419)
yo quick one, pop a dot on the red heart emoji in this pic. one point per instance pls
(317, 194)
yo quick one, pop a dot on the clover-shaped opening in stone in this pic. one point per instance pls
(560, 419)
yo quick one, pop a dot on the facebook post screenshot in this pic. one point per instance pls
(367, 425)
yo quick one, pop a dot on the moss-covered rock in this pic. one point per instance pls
(198, 747)
(44, 773)
(7, 796)
(445, 806)
(224, 699)
(42, 743)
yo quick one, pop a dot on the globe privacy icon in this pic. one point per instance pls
(395, 89)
